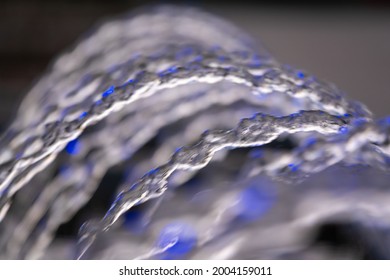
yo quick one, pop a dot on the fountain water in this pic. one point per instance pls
(179, 81)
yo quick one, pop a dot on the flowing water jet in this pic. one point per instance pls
(181, 82)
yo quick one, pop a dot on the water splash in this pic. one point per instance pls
(171, 72)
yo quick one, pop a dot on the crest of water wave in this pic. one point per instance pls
(209, 85)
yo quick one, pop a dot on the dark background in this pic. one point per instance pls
(347, 43)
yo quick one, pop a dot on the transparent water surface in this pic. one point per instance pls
(169, 133)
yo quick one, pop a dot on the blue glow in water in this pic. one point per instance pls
(172, 69)
(73, 147)
(180, 237)
(153, 171)
(359, 122)
(293, 167)
(83, 115)
(385, 121)
(300, 75)
(293, 116)
(255, 62)
(254, 202)
(256, 153)
(108, 92)
(134, 221)
(343, 130)
(310, 141)
(168, 71)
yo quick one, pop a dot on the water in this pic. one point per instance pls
(175, 91)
